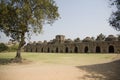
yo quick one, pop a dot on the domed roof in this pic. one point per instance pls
(68, 41)
(87, 39)
(77, 40)
(111, 38)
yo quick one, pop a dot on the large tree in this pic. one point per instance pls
(20, 18)
(114, 20)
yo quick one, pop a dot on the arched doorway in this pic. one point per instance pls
(66, 49)
(42, 50)
(61, 51)
(76, 49)
(111, 49)
(56, 50)
(31, 50)
(86, 49)
(36, 50)
(98, 50)
(52, 51)
(48, 50)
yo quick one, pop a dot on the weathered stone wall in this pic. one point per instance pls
(60, 46)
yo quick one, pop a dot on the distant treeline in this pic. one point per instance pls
(9, 48)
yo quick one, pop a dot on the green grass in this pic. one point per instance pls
(58, 58)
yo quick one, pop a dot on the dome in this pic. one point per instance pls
(111, 38)
(77, 40)
(87, 39)
(68, 41)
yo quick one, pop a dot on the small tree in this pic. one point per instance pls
(118, 37)
(114, 20)
(21, 17)
(100, 37)
(3, 47)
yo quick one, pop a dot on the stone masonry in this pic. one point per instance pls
(110, 44)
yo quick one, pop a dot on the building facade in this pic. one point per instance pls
(110, 44)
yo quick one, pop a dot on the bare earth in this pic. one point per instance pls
(37, 71)
(44, 70)
(41, 72)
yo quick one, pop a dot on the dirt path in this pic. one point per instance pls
(37, 71)
(41, 72)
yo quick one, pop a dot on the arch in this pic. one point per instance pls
(42, 50)
(98, 50)
(66, 49)
(111, 49)
(86, 49)
(76, 49)
(61, 51)
(48, 50)
(36, 50)
(52, 51)
(31, 50)
(57, 50)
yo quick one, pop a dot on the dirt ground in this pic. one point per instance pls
(36, 71)
(40, 72)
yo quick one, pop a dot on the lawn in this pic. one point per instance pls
(64, 58)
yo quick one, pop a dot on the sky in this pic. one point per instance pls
(79, 18)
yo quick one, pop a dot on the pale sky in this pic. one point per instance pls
(79, 18)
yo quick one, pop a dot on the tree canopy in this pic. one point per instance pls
(100, 37)
(21, 17)
(114, 20)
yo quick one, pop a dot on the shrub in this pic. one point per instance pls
(3, 47)
(13, 48)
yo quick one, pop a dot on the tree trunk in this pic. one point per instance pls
(18, 54)
(21, 44)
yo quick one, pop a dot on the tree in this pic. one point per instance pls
(114, 20)
(21, 18)
(100, 37)
(118, 37)
(3, 47)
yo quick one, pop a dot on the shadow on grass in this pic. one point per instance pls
(106, 71)
(4, 61)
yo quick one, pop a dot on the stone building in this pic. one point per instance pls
(110, 44)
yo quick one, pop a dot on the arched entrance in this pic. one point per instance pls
(31, 50)
(98, 50)
(76, 49)
(48, 50)
(111, 49)
(66, 49)
(52, 51)
(42, 50)
(36, 50)
(56, 50)
(86, 49)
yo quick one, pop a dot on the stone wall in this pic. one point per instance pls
(61, 45)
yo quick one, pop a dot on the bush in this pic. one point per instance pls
(3, 47)
(13, 48)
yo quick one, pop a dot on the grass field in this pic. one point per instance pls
(64, 58)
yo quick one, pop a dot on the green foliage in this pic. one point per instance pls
(100, 37)
(26, 16)
(114, 20)
(3, 47)
(12, 48)
(118, 37)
